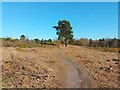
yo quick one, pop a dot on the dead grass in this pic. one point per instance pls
(101, 66)
(106, 49)
(31, 67)
(40, 67)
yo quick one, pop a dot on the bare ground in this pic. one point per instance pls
(51, 67)
(76, 76)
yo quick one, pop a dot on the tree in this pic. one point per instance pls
(90, 42)
(49, 40)
(101, 42)
(36, 40)
(64, 31)
(22, 38)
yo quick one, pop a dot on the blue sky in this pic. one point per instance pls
(35, 19)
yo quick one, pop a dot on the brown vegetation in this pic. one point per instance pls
(102, 66)
(41, 67)
(31, 67)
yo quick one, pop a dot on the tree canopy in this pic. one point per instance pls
(64, 31)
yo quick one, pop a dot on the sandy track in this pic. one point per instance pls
(77, 76)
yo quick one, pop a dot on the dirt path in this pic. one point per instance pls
(76, 76)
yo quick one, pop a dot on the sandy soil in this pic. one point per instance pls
(65, 67)
(76, 76)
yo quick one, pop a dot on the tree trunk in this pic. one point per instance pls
(65, 42)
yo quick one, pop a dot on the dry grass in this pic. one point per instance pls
(31, 67)
(106, 49)
(40, 67)
(102, 66)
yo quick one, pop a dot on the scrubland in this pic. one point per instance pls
(31, 67)
(102, 66)
(41, 67)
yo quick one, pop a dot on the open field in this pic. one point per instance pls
(64, 67)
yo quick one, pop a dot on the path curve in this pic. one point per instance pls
(77, 76)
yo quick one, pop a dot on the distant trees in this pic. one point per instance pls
(84, 42)
(81, 42)
(8, 39)
(104, 42)
(50, 40)
(64, 31)
(90, 42)
(37, 40)
(25, 42)
(22, 38)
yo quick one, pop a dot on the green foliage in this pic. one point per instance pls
(49, 40)
(64, 31)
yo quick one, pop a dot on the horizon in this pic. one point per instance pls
(35, 19)
(56, 38)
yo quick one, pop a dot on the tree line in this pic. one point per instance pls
(104, 42)
(25, 42)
